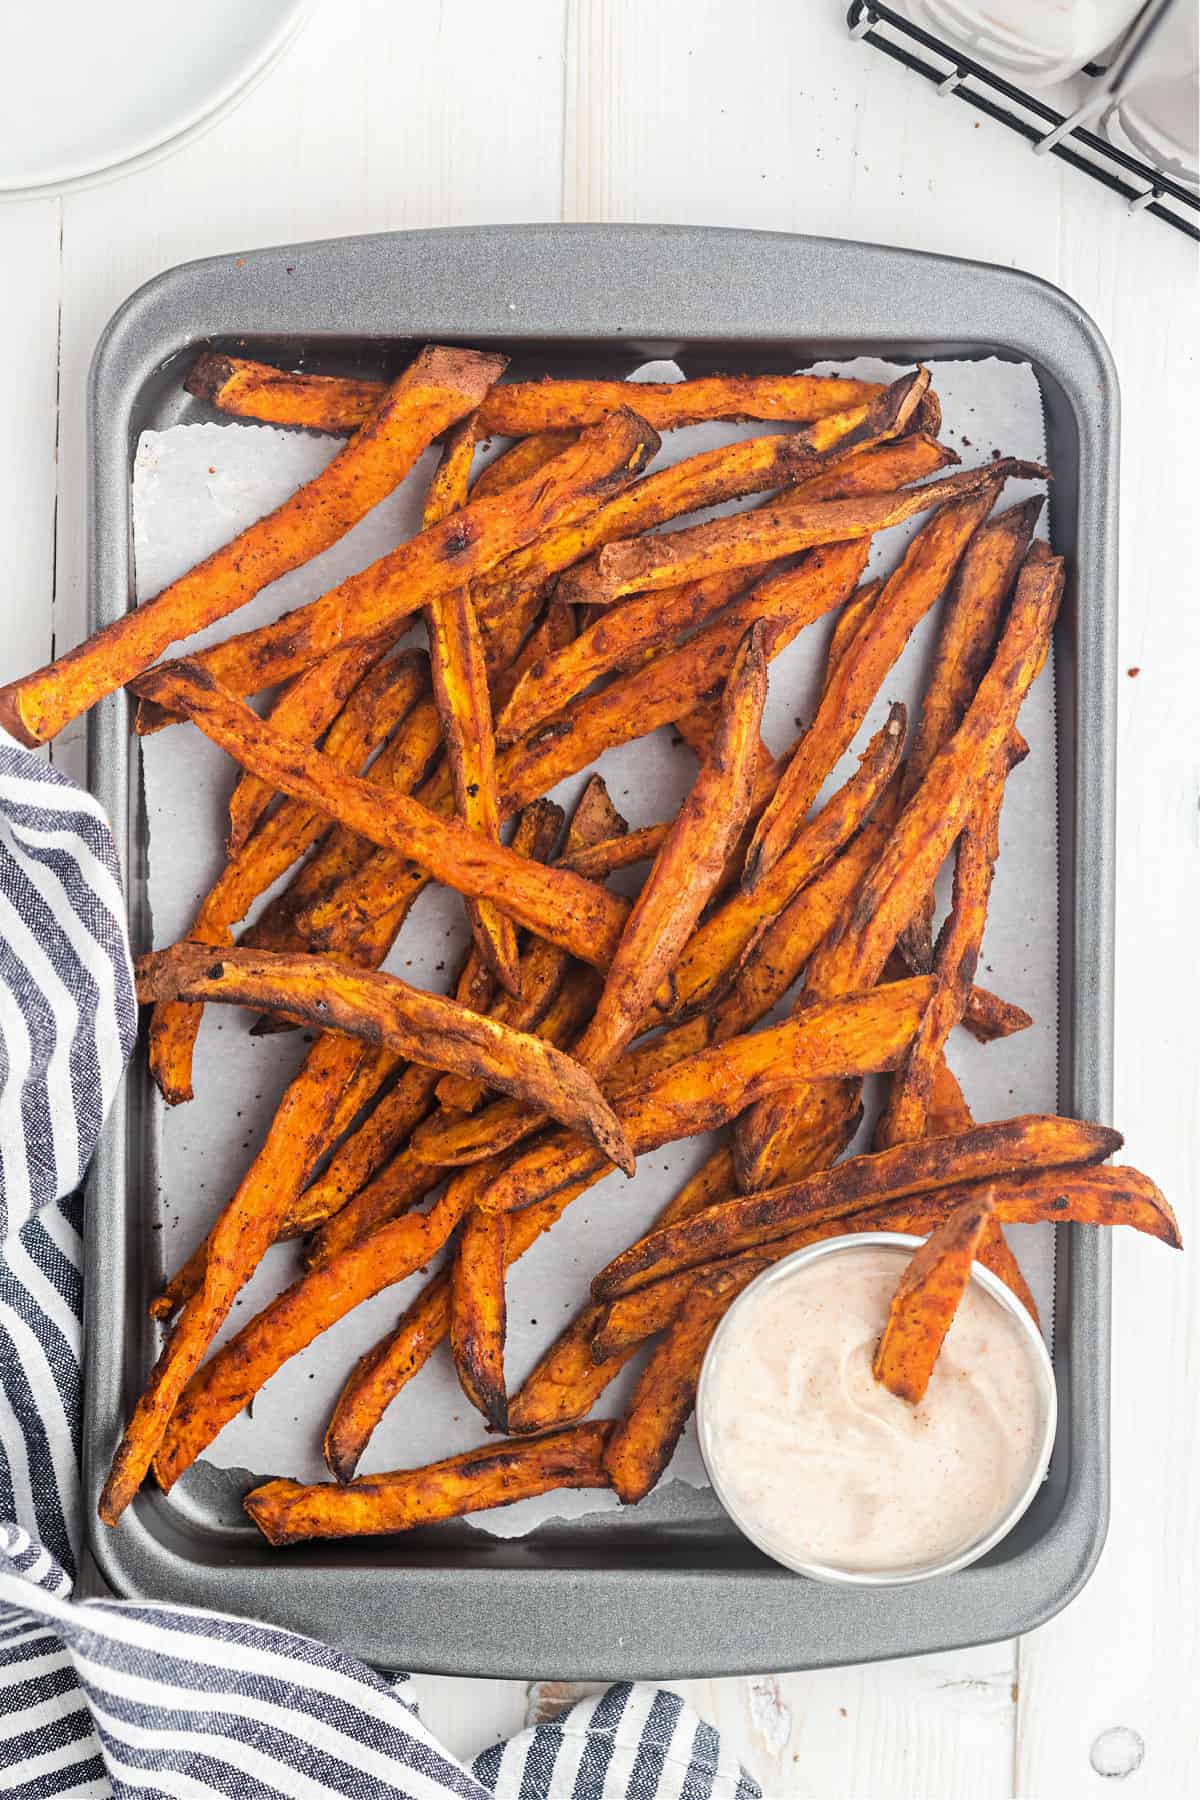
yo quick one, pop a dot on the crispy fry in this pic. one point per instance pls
(380, 1374)
(478, 1314)
(553, 631)
(939, 808)
(926, 1300)
(856, 612)
(285, 836)
(605, 459)
(856, 951)
(580, 916)
(857, 1035)
(687, 868)
(969, 629)
(873, 469)
(716, 947)
(955, 961)
(495, 1475)
(301, 1313)
(662, 691)
(542, 965)
(525, 406)
(362, 1156)
(384, 1010)
(726, 473)
(617, 640)
(903, 601)
(670, 685)
(1108, 1196)
(642, 565)
(566, 1382)
(460, 686)
(236, 1245)
(644, 1442)
(254, 390)
(436, 389)
(306, 706)
(1000, 1149)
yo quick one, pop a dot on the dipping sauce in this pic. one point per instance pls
(825, 1469)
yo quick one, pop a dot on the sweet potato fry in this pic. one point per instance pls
(619, 637)
(542, 965)
(662, 691)
(643, 1443)
(605, 459)
(495, 1475)
(526, 406)
(714, 950)
(903, 601)
(303, 710)
(478, 1314)
(670, 685)
(939, 808)
(254, 390)
(385, 1369)
(989, 1151)
(290, 830)
(642, 565)
(687, 868)
(857, 1035)
(382, 1009)
(926, 1300)
(969, 629)
(857, 950)
(580, 916)
(553, 631)
(521, 460)
(366, 1152)
(436, 389)
(845, 627)
(460, 686)
(955, 960)
(301, 1313)
(616, 641)
(566, 1382)
(726, 473)
(236, 1245)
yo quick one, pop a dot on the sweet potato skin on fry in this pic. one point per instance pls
(384, 1010)
(987, 1152)
(438, 388)
(926, 1300)
(566, 1382)
(495, 1475)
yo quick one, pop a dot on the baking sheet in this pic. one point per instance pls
(194, 487)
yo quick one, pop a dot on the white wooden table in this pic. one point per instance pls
(761, 113)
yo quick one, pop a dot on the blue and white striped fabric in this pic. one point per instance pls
(103, 1698)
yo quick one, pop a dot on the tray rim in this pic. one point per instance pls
(562, 275)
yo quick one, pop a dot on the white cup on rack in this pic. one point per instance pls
(1158, 114)
(1033, 42)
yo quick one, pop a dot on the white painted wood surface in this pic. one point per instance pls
(762, 114)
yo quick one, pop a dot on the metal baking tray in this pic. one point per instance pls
(670, 1588)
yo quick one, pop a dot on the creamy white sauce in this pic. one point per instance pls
(822, 1464)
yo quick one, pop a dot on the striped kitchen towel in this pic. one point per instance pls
(103, 1698)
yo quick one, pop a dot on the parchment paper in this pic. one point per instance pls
(194, 487)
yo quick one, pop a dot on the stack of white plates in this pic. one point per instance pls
(96, 88)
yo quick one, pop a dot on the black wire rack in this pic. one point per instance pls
(1048, 132)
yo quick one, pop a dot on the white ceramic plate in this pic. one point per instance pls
(93, 87)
